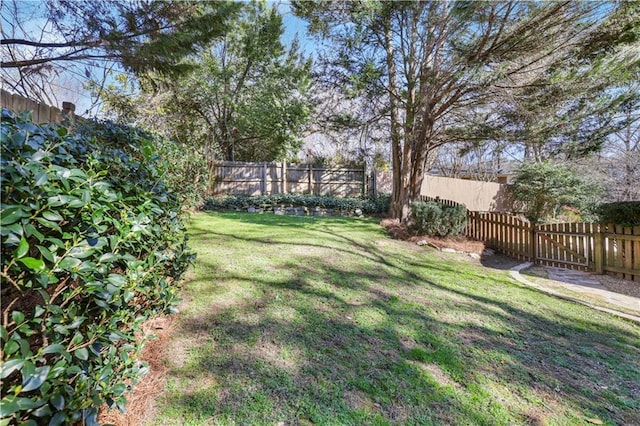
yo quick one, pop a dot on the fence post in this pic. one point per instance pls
(373, 183)
(284, 177)
(533, 249)
(364, 180)
(598, 251)
(264, 179)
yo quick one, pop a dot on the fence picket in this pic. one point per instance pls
(564, 245)
(635, 263)
(272, 178)
(627, 255)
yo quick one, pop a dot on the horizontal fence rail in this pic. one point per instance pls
(279, 178)
(601, 248)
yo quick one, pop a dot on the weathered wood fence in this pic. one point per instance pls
(441, 201)
(280, 178)
(583, 246)
(41, 113)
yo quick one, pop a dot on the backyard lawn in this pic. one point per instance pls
(296, 320)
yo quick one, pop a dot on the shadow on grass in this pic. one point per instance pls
(322, 342)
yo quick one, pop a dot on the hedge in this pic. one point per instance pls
(625, 213)
(92, 245)
(368, 205)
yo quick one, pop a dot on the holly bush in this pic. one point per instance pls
(92, 245)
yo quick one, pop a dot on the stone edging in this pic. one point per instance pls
(515, 274)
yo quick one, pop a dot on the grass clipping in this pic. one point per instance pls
(141, 402)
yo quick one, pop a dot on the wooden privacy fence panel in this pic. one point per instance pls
(41, 113)
(277, 178)
(507, 234)
(582, 246)
(621, 246)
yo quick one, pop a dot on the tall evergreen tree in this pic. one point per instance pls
(442, 64)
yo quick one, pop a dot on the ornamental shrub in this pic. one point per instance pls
(437, 219)
(369, 205)
(183, 169)
(625, 213)
(92, 245)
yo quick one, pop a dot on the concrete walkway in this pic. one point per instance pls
(582, 283)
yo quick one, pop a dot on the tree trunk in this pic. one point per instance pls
(399, 202)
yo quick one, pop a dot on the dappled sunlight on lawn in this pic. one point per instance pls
(306, 321)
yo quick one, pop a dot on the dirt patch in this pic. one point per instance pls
(438, 374)
(357, 400)
(618, 285)
(460, 244)
(499, 261)
(141, 401)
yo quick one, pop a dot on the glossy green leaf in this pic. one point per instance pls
(12, 214)
(48, 224)
(31, 231)
(43, 411)
(52, 216)
(69, 263)
(57, 200)
(107, 257)
(8, 405)
(32, 263)
(55, 348)
(22, 249)
(46, 253)
(29, 404)
(17, 317)
(35, 380)
(41, 178)
(76, 203)
(58, 419)
(9, 367)
(81, 353)
(57, 400)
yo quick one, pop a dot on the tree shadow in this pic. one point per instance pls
(320, 342)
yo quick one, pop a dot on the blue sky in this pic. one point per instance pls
(68, 85)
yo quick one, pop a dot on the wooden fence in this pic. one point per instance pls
(439, 200)
(41, 113)
(593, 247)
(279, 178)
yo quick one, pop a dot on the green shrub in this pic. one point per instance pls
(369, 205)
(433, 218)
(182, 168)
(540, 190)
(625, 213)
(92, 245)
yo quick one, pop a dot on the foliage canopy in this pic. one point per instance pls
(92, 245)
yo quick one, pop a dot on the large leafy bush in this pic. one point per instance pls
(92, 245)
(625, 213)
(183, 169)
(437, 219)
(541, 189)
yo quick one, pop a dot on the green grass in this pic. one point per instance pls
(292, 320)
